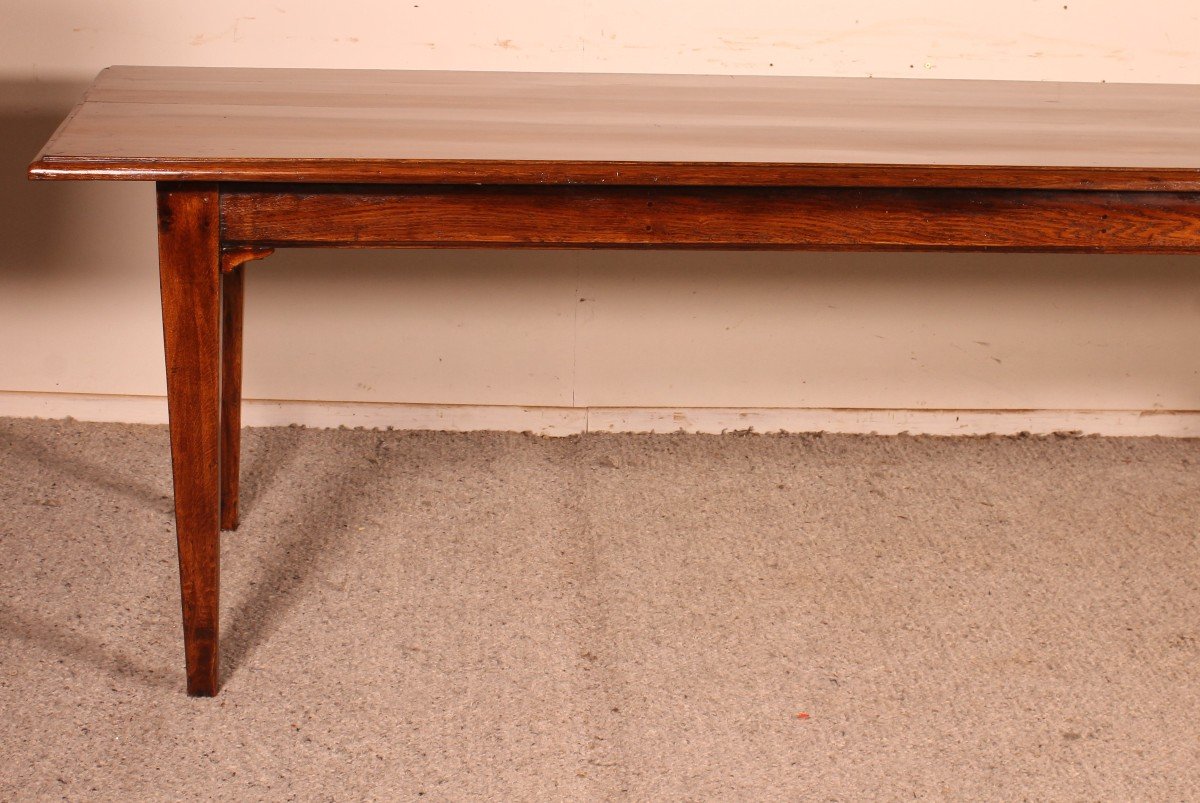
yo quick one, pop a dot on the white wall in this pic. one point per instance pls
(502, 332)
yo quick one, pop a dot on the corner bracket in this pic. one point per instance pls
(234, 257)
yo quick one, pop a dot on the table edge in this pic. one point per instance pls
(766, 174)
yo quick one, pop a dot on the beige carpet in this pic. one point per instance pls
(672, 617)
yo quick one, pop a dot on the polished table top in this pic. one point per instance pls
(354, 126)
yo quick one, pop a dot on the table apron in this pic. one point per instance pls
(801, 218)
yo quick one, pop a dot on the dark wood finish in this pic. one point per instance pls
(711, 217)
(334, 158)
(371, 126)
(233, 257)
(189, 270)
(233, 283)
(338, 171)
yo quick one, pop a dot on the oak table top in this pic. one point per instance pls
(375, 126)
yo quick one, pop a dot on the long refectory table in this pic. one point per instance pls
(249, 160)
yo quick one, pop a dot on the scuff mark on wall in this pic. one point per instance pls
(232, 32)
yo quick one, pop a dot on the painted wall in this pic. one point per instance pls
(507, 331)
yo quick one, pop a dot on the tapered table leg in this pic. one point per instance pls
(189, 268)
(232, 293)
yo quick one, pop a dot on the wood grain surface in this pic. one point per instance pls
(233, 284)
(359, 126)
(836, 219)
(190, 275)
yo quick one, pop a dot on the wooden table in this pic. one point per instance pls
(252, 160)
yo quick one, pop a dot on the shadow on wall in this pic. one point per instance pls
(31, 211)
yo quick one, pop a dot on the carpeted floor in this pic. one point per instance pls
(673, 617)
